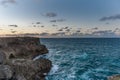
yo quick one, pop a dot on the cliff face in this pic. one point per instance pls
(16, 59)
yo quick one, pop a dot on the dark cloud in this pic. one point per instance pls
(58, 34)
(78, 31)
(60, 20)
(53, 20)
(42, 26)
(44, 34)
(117, 30)
(3, 2)
(115, 17)
(13, 25)
(54, 25)
(66, 27)
(50, 14)
(96, 28)
(60, 29)
(57, 20)
(68, 30)
(38, 22)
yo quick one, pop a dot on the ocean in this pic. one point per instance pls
(83, 58)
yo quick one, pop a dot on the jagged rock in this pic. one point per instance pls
(22, 47)
(5, 72)
(115, 77)
(30, 69)
(2, 57)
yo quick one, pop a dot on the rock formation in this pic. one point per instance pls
(114, 77)
(16, 59)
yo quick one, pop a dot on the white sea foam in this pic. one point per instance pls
(84, 55)
(58, 51)
(54, 69)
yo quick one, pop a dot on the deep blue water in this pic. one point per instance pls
(83, 59)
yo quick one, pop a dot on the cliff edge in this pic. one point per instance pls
(16, 59)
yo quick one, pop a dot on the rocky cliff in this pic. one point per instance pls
(16, 59)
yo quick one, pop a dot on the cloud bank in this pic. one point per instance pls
(79, 33)
(114, 17)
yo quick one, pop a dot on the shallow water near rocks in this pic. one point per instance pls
(83, 58)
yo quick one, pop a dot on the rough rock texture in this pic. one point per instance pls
(115, 77)
(18, 47)
(16, 59)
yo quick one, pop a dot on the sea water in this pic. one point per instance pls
(83, 58)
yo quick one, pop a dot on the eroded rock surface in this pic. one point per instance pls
(16, 59)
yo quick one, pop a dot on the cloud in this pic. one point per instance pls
(3, 2)
(117, 31)
(58, 20)
(54, 25)
(52, 34)
(42, 26)
(95, 28)
(50, 14)
(38, 22)
(44, 34)
(60, 29)
(103, 33)
(78, 31)
(13, 31)
(58, 34)
(66, 27)
(68, 30)
(13, 25)
(53, 20)
(115, 17)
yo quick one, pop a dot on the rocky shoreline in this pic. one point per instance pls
(16, 59)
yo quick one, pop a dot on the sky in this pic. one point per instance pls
(61, 18)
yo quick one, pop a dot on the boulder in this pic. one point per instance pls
(114, 77)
